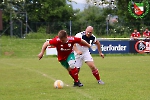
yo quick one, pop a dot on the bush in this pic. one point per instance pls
(40, 34)
(33, 35)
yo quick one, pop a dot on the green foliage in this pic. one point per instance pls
(57, 15)
(41, 34)
(37, 35)
(92, 15)
(39, 11)
(48, 10)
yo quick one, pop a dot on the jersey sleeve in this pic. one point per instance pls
(79, 35)
(94, 39)
(53, 42)
(146, 33)
(77, 39)
(132, 35)
(139, 35)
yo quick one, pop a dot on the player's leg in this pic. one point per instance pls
(78, 61)
(73, 71)
(89, 61)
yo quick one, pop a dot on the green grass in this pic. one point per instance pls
(24, 77)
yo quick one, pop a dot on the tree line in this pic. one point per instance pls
(58, 14)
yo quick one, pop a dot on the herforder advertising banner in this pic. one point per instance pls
(114, 47)
(111, 47)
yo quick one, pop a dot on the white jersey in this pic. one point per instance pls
(86, 56)
(90, 40)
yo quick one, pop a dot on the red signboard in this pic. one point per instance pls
(142, 46)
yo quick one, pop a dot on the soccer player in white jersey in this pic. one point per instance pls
(82, 52)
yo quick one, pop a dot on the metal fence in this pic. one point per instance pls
(20, 28)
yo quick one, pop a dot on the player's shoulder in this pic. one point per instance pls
(83, 32)
(72, 38)
(80, 33)
(56, 39)
(133, 33)
(93, 35)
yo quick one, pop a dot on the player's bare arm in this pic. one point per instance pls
(40, 55)
(83, 42)
(76, 50)
(99, 48)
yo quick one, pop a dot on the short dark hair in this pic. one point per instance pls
(62, 34)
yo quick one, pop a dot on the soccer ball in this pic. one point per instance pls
(58, 84)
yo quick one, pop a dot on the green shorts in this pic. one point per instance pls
(64, 63)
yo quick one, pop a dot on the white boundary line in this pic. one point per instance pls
(47, 76)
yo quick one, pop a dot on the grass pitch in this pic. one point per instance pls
(24, 77)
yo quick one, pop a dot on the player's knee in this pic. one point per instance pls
(93, 67)
(78, 70)
(72, 64)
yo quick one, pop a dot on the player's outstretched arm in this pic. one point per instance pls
(99, 48)
(76, 50)
(83, 42)
(40, 55)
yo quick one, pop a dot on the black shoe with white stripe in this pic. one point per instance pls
(79, 84)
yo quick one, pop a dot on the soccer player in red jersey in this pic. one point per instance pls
(146, 33)
(135, 35)
(64, 45)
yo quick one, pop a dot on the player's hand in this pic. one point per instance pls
(135, 38)
(79, 52)
(102, 55)
(40, 55)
